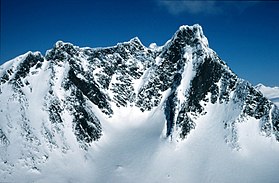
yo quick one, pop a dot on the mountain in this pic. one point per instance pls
(131, 113)
(272, 93)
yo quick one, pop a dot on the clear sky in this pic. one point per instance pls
(245, 34)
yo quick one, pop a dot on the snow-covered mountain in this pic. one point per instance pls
(131, 113)
(272, 93)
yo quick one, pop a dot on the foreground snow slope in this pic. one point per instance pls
(140, 155)
(129, 113)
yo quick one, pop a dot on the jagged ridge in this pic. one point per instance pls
(79, 87)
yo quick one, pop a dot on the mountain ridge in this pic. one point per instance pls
(69, 99)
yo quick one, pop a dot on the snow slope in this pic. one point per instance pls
(272, 93)
(137, 152)
(128, 113)
(139, 155)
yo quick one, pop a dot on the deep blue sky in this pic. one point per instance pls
(244, 34)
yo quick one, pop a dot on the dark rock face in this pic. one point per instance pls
(3, 139)
(30, 61)
(184, 122)
(130, 74)
(20, 72)
(275, 122)
(208, 73)
(87, 126)
(91, 91)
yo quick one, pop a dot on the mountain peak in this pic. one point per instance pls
(133, 43)
(116, 103)
(60, 44)
(136, 40)
(193, 27)
(191, 35)
(60, 50)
